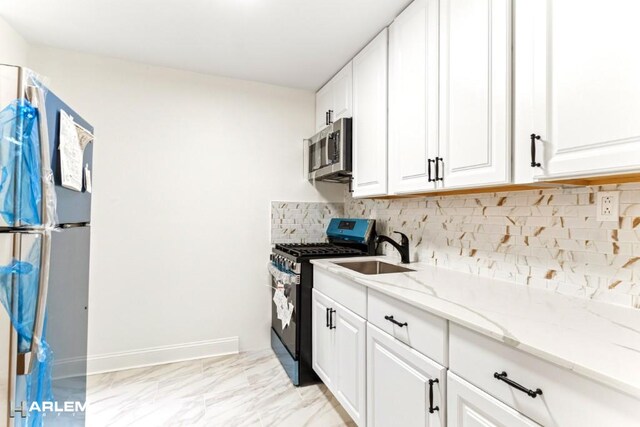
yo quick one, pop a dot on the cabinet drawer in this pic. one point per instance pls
(567, 399)
(346, 292)
(422, 331)
(469, 406)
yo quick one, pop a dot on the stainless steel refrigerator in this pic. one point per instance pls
(44, 249)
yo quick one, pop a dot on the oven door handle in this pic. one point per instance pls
(282, 276)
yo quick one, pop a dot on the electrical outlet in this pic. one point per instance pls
(608, 206)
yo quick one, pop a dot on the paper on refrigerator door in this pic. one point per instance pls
(87, 178)
(73, 140)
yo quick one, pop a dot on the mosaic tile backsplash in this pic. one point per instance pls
(302, 222)
(540, 238)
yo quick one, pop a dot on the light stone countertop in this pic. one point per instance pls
(597, 340)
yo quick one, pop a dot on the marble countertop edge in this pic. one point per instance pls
(396, 285)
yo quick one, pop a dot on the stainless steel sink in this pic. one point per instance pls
(373, 267)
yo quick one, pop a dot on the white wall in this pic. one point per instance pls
(185, 167)
(13, 48)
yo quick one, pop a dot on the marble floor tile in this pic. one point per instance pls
(158, 372)
(100, 382)
(232, 407)
(247, 389)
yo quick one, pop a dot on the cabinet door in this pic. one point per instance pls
(324, 102)
(323, 341)
(370, 119)
(471, 407)
(351, 353)
(583, 86)
(475, 92)
(335, 98)
(398, 384)
(342, 85)
(413, 97)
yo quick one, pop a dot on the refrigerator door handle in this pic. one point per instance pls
(36, 97)
(16, 359)
(27, 361)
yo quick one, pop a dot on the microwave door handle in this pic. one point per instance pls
(325, 154)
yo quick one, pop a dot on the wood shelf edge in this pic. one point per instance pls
(540, 185)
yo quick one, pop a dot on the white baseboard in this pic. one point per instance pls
(69, 367)
(109, 362)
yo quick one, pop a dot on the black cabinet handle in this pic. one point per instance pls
(438, 161)
(351, 184)
(330, 117)
(432, 409)
(326, 118)
(328, 317)
(534, 164)
(429, 161)
(503, 377)
(331, 325)
(395, 322)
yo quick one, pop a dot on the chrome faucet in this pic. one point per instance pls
(402, 247)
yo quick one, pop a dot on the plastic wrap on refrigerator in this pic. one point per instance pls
(26, 178)
(19, 294)
(20, 172)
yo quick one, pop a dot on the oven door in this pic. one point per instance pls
(285, 303)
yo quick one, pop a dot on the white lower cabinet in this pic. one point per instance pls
(379, 371)
(513, 377)
(404, 388)
(323, 338)
(471, 407)
(350, 378)
(339, 353)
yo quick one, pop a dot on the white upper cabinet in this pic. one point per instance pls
(578, 73)
(370, 119)
(413, 98)
(324, 103)
(334, 100)
(475, 92)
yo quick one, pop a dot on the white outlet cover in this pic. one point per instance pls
(601, 200)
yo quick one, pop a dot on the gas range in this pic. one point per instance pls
(292, 282)
(299, 252)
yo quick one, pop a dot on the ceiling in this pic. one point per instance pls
(295, 43)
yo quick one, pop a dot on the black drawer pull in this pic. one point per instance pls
(438, 161)
(395, 322)
(503, 377)
(331, 325)
(534, 164)
(432, 409)
(328, 316)
(429, 161)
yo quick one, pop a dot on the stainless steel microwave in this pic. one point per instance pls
(329, 153)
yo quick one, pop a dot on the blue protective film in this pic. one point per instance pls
(26, 275)
(20, 168)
